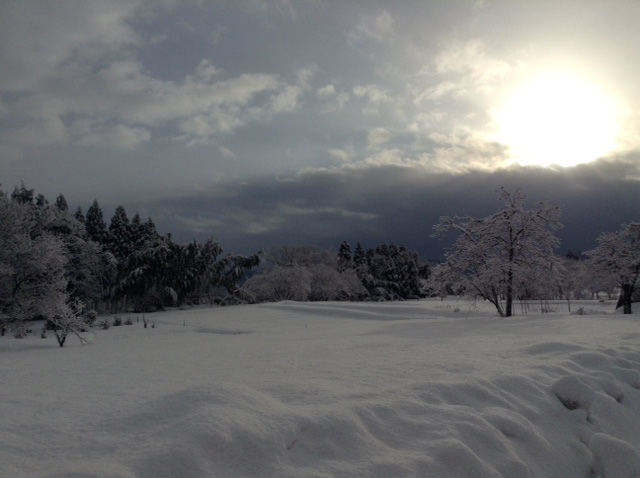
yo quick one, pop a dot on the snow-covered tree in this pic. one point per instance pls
(617, 257)
(326, 283)
(506, 255)
(390, 272)
(67, 319)
(280, 283)
(32, 265)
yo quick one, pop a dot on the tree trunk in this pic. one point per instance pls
(495, 300)
(624, 300)
(61, 336)
(509, 298)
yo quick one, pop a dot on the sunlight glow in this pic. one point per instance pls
(557, 119)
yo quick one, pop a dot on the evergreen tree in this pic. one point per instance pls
(140, 232)
(22, 195)
(149, 231)
(136, 232)
(95, 225)
(79, 215)
(61, 203)
(359, 256)
(345, 261)
(119, 242)
(41, 200)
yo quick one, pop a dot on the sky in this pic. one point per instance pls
(263, 123)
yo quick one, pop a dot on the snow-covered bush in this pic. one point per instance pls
(68, 319)
(280, 283)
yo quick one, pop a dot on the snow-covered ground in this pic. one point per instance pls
(410, 389)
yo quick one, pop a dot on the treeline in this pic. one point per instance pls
(50, 258)
(304, 272)
(64, 266)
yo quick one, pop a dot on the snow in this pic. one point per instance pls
(407, 389)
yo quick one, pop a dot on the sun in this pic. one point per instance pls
(557, 119)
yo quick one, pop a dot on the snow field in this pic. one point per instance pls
(411, 389)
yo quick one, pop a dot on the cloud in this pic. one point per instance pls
(286, 101)
(207, 70)
(378, 27)
(42, 131)
(464, 149)
(118, 136)
(82, 68)
(39, 37)
(464, 69)
(339, 155)
(377, 137)
(201, 106)
(227, 153)
(327, 90)
(332, 99)
(441, 90)
(266, 7)
(400, 201)
(374, 95)
(471, 58)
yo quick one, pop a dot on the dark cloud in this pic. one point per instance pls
(372, 204)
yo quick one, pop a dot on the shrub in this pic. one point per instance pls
(117, 321)
(91, 317)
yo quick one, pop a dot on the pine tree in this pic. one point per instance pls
(61, 203)
(79, 215)
(359, 256)
(41, 200)
(22, 195)
(119, 234)
(136, 232)
(95, 225)
(345, 261)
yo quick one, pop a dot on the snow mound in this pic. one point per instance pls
(573, 393)
(613, 458)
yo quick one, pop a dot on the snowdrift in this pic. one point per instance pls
(413, 389)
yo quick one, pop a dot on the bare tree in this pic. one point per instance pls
(503, 256)
(618, 258)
